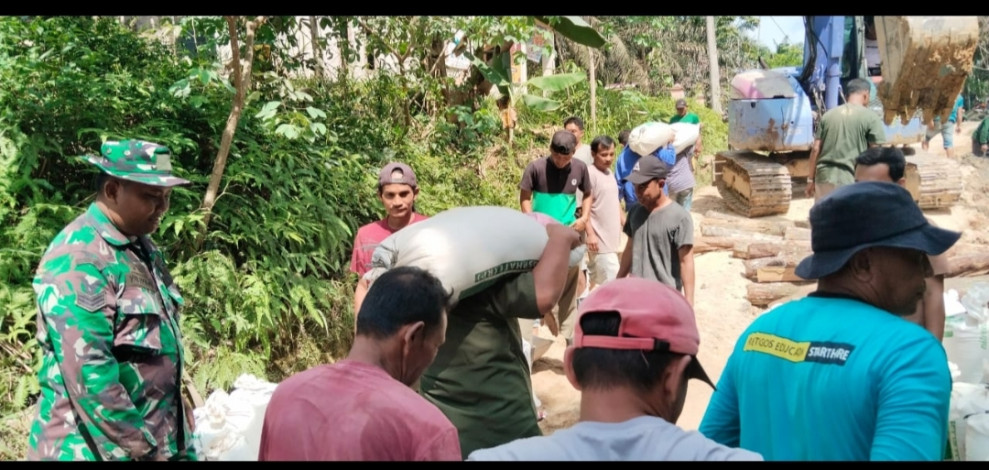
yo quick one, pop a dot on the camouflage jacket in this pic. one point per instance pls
(108, 326)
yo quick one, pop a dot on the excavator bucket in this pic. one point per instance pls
(925, 60)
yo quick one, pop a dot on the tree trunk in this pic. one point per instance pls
(712, 54)
(594, 88)
(738, 234)
(317, 51)
(761, 295)
(705, 244)
(242, 82)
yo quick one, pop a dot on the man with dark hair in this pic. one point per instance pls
(397, 190)
(660, 232)
(888, 164)
(582, 153)
(623, 137)
(604, 233)
(635, 348)
(108, 322)
(881, 164)
(843, 133)
(362, 407)
(841, 374)
(575, 126)
(549, 186)
(480, 378)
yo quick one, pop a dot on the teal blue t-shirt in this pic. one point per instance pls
(833, 378)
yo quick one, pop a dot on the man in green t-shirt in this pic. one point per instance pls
(682, 115)
(980, 139)
(549, 186)
(480, 377)
(843, 133)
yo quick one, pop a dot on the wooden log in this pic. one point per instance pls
(797, 233)
(775, 268)
(761, 295)
(706, 244)
(753, 266)
(763, 249)
(778, 274)
(767, 227)
(738, 234)
(968, 264)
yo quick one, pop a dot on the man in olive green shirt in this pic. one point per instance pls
(480, 377)
(980, 139)
(844, 132)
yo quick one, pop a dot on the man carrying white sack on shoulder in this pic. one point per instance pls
(480, 377)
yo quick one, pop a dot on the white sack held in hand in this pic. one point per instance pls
(644, 139)
(228, 426)
(686, 135)
(467, 248)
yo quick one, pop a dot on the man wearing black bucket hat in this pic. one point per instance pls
(841, 374)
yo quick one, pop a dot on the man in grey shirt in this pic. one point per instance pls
(635, 348)
(660, 232)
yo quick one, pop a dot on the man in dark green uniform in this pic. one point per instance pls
(480, 377)
(108, 323)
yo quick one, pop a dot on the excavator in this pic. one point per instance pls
(923, 62)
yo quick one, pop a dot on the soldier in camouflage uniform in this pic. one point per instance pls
(108, 323)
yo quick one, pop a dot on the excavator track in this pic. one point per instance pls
(752, 184)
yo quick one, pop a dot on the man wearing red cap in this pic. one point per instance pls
(635, 348)
(397, 190)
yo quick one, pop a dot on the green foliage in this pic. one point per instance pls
(269, 292)
(786, 55)
(575, 29)
(625, 109)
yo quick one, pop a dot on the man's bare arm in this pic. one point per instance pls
(687, 272)
(550, 273)
(525, 200)
(814, 151)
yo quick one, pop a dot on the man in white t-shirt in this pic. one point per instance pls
(607, 217)
(635, 347)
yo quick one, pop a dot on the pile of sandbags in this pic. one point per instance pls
(966, 332)
(968, 422)
(965, 342)
(228, 426)
(468, 248)
(646, 138)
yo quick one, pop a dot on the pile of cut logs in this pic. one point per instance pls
(772, 248)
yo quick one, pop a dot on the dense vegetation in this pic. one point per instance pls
(267, 289)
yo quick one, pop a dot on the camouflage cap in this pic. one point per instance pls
(137, 160)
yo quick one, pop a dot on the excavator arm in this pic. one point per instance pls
(925, 60)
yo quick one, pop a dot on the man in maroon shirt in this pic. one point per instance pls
(363, 407)
(397, 190)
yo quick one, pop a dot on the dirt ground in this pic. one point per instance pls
(722, 310)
